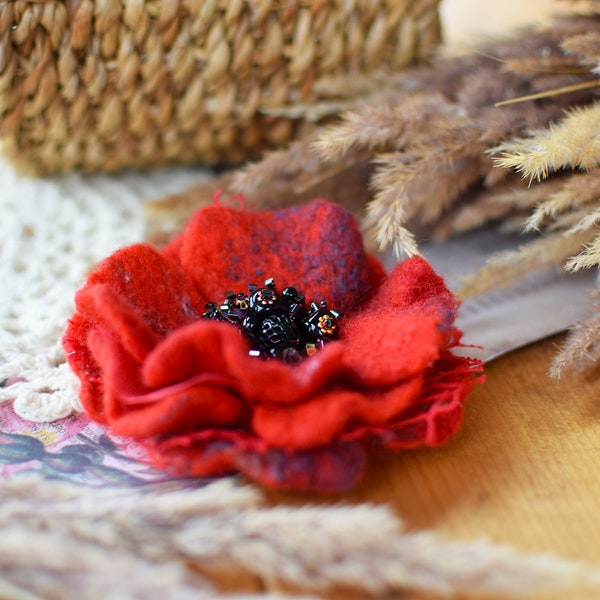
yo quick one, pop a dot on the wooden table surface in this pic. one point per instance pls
(524, 469)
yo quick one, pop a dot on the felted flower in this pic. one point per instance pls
(191, 392)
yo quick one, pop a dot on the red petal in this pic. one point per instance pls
(200, 347)
(403, 328)
(438, 414)
(109, 311)
(320, 419)
(382, 350)
(130, 408)
(158, 290)
(317, 248)
(112, 361)
(218, 348)
(135, 293)
(274, 382)
(413, 283)
(84, 365)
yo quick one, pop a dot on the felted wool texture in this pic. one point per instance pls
(52, 232)
(320, 252)
(188, 390)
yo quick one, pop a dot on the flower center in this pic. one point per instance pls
(278, 325)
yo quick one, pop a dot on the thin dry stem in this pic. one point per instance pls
(588, 258)
(510, 198)
(541, 64)
(505, 268)
(577, 190)
(582, 346)
(584, 85)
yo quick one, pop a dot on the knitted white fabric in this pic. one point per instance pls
(51, 232)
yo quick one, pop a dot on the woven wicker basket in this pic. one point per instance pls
(106, 84)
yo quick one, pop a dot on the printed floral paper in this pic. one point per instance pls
(74, 449)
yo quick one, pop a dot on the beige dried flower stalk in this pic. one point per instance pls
(430, 121)
(565, 206)
(578, 190)
(505, 268)
(60, 540)
(567, 213)
(572, 144)
(582, 347)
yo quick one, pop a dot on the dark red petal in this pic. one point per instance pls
(324, 416)
(136, 294)
(317, 248)
(403, 328)
(330, 469)
(111, 361)
(201, 454)
(218, 348)
(278, 383)
(201, 347)
(132, 409)
(437, 416)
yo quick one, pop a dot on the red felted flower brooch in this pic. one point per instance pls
(193, 391)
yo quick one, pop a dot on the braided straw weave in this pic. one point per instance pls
(105, 84)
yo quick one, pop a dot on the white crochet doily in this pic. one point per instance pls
(51, 232)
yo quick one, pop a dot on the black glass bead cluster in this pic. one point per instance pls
(278, 325)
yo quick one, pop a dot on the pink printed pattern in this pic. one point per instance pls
(74, 448)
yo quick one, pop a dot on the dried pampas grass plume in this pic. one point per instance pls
(60, 540)
(572, 144)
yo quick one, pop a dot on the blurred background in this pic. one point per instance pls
(469, 21)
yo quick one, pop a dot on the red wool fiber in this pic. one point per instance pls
(187, 389)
